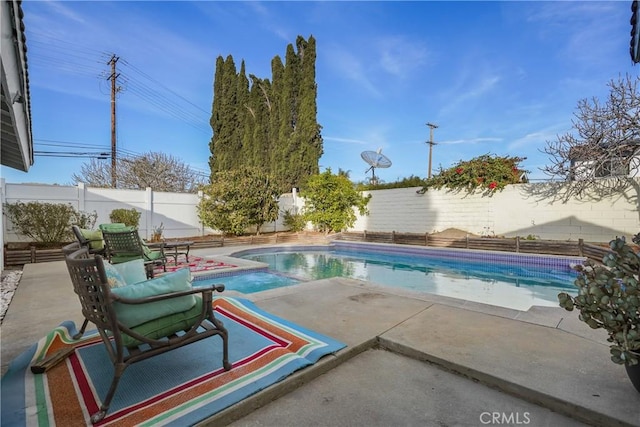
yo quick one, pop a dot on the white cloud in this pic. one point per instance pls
(399, 56)
(468, 89)
(345, 140)
(588, 31)
(471, 141)
(347, 64)
(536, 139)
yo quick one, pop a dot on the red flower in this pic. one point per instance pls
(493, 185)
(459, 171)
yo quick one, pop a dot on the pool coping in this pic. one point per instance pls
(560, 263)
(459, 253)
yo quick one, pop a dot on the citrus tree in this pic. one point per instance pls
(238, 199)
(487, 173)
(330, 201)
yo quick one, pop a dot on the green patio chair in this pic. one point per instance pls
(91, 239)
(126, 245)
(141, 320)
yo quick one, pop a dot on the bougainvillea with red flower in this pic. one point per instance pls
(487, 173)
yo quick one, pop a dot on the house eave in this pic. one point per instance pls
(15, 101)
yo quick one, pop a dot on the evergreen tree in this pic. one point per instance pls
(226, 142)
(243, 149)
(308, 127)
(268, 124)
(277, 72)
(257, 124)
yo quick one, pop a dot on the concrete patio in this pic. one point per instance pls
(411, 359)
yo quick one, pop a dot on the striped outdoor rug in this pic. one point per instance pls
(180, 388)
(196, 264)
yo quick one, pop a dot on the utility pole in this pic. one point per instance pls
(114, 90)
(431, 144)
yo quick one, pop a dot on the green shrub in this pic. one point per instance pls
(487, 173)
(609, 298)
(238, 199)
(331, 201)
(294, 221)
(130, 217)
(411, 181)
(47, 222)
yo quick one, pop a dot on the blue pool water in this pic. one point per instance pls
(509, 280)
(249, 283)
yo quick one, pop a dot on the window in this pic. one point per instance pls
(612, 167)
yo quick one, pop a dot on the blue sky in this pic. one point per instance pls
(496, 77)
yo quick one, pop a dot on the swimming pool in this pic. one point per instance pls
(516, 281)
(247, 282)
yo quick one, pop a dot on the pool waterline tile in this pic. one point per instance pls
(513, 281)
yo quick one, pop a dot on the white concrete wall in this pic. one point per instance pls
(519, 210)
(175, 211)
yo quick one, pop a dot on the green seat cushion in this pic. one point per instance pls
(133, 315)
(164, 326)
(152, 255)
(94, 237)
(115, 227)
(118, 259)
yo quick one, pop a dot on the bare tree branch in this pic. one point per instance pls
(160, 171)
(603, 150)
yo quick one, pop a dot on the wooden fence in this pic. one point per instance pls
(19, 257)
(547, 247)
(517, 244)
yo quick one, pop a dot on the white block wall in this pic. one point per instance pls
(519, 210)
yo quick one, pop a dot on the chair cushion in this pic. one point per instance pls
(94, 237)
(115, 227)
(119, 259)
(132, 271)
(136, 314)
(164, 326)
(114, 278)
(152, 255)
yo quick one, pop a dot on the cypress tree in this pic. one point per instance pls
(226, 140)
(260, 102)
(288, 139)
(216, 120)
(310, 148)
(244, 130)
(271, 125)
(277, 72)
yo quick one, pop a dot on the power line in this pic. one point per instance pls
(78, 60)
(102, 153)
(66, 144)
(72, 58)
(126, 63)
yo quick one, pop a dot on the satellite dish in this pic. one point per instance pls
(375, 159)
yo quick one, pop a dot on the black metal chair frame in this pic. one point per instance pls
(90, 284)
(68, 250)
(86, 242)
(129, 244)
